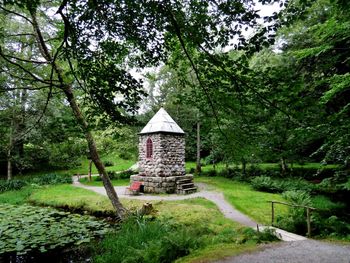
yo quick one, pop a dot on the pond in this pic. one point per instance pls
(38, 234)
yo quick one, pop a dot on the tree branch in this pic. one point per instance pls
(17, 14)
(22, 68)
(27, 60)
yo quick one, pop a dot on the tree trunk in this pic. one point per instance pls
(68, 91)
(90, 168)
(9, 165)
(111, 193)
(198, 162)
(284, 165)
(10, 146)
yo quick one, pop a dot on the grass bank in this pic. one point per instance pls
(247, 200)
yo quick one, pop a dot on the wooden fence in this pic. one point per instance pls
(308, 213)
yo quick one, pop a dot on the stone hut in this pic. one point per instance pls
(162, 157)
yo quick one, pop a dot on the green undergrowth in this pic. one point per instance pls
(97, 182)
(181, 228)
(242, 196)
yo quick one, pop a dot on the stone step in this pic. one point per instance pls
(184, 181)
(187, 191)
(185, 186)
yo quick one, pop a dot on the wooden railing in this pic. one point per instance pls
(309, 209)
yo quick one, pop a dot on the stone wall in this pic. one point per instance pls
(160, 184)
(168, 155)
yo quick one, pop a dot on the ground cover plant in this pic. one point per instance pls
(27, 228)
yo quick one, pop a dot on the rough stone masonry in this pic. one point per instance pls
(161, 155)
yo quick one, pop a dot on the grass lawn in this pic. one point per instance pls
(118, 165)
(94, 182)
(250, 202)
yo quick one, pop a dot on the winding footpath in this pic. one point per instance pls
(298, 249)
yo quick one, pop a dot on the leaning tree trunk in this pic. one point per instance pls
(68, 91)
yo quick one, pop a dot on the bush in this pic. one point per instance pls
(11, 185)
(332, 226)
(108, 163)
(268, 184)
(295, 221)
(125, 174)
(125, 155)
(264, 183)
(111, 174)
(51, 179)
(211, 173)
(192, 170)
(230, 173)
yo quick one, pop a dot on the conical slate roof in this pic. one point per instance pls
(162, 122)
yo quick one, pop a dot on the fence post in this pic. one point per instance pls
(272, 214)
(308, 221)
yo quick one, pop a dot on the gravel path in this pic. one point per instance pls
(309, 251)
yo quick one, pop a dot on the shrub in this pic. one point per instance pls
(331, 226)
(264, 183)
(125, 174)
(211, 173)
(295, 221)
(230, 173)
(125, 155)
(108, 163)
(111, 174)
(11, 185)
(254, 170)
(268, 184)
(51, 179)
(119, 175)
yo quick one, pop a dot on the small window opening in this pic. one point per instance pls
(149, 148)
